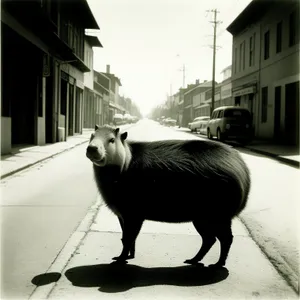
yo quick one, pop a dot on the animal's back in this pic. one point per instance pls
(178, 181)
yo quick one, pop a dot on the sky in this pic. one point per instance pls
(147, 43)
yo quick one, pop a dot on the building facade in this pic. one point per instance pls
(42, 70)
(265, 67)
(115, 106)
(93, 99)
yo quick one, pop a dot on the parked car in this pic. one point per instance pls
(162, 120)
(118, 119)
(134, 119)
(127, 118)
(198, 123)
(169, 122)
(230, 123)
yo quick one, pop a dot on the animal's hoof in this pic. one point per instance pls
(216, 266)
(191, 261)
(119, 262)
(119, 258)
(131, 256)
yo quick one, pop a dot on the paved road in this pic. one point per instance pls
(40, 209)
(43, 206)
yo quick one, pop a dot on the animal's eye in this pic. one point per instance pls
(92, 136)
(112, 140)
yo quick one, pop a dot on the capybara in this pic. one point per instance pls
(176, 181)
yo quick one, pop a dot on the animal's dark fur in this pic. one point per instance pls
(197, 181)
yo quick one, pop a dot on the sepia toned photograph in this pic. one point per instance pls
(150, 149)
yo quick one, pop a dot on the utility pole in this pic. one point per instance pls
(215, 22)
(183, 71)
(183, 75)
(170, 100)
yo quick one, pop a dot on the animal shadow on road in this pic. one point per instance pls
(115, 277)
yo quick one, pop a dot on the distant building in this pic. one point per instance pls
(265, 67)
(226, 88)
(114, 100)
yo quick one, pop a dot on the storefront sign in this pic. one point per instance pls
(245, 91)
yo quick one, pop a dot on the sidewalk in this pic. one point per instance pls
(289, 155)
(25, 157)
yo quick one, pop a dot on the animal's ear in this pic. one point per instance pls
(96, 127)
(124, 136)
(117, 131)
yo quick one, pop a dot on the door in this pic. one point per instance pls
(71, 109)
(277, 112)
(292, 113)
(49, 109)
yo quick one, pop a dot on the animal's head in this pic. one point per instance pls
(107, 147)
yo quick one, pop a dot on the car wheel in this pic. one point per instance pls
(209, 134)
(219, 135)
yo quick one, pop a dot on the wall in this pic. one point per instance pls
(196, 100)
(244, 36)
(280, 68)
(277, 70)
(5, 135)
(88, 77)
(226, 91)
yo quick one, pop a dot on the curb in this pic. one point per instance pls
(40, 160)
(277, 261)
(66, 253)
(285, 160)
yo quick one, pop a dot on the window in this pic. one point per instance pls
(221, 112)
(237, 114)
(292, 28)
(251, 50)
(241, 51)
(264, 104)
(267, 45)
(237, 101)
(235, 60)
(214, 115)
(244, 54)
(278, 37)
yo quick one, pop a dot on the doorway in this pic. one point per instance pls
(49, 106)
(292, 113)
(277, 112)
(71, 110)
(78, 110)
(19, 85)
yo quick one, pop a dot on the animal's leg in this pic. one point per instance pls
(208, 239)
(132, 250)
(224, 235)
(131, 229)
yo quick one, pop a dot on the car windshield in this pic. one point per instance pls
(237, 113)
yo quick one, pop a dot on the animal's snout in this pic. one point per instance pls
(92, 152)
(92, 149)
